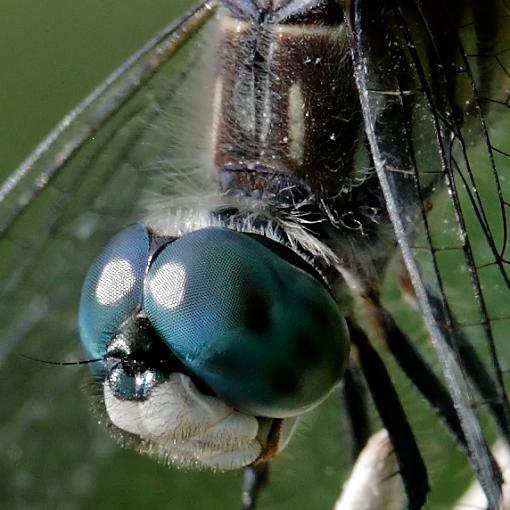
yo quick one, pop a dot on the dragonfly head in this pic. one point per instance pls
(247, 324)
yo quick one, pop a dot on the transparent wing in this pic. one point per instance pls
(80, 178)
(80, 185)
(434, 84)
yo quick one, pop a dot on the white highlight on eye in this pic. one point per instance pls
(167, 285)
(117, 279)
(296, 121)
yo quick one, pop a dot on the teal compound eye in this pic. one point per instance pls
(113, 289)
(263, 334)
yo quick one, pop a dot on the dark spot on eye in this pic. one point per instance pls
(306, 348)
(224, 363)
(285, 382)
(318, 314)
(257, 316)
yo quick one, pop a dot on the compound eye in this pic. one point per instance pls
(113, 289)
(263, 334)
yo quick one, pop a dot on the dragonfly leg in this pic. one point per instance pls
(355, 402)
(412, 364)
(415, 367)
(255, 479)
(410, 461)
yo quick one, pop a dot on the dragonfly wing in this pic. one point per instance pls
(57, 210)
(424, 75)
(80, 178)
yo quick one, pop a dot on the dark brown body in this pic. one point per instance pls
(288, 113)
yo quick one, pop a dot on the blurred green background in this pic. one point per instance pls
(53, 453)
(54, 52)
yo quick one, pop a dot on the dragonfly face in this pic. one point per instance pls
(327, 130)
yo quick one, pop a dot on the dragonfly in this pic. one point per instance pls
(407, 134)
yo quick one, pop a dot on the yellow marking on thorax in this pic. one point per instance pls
(216, 110)
(296, 123)
(231, 24)
(300, 31)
